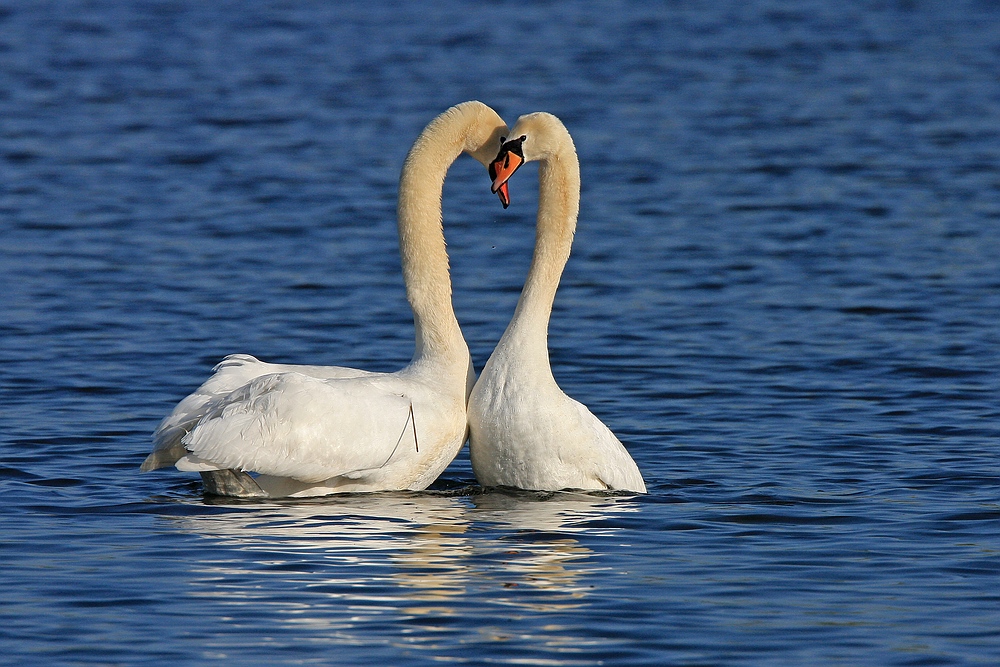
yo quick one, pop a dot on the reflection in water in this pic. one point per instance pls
(542, 554)
(347, 566)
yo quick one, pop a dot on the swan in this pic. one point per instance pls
(524, 431)
(317, 430)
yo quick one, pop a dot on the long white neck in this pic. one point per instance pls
(558, 207)
(421, 237)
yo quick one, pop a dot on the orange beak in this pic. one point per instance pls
(504, 193)
(508, 160)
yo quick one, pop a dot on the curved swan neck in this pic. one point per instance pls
(421, 236)
(558, 207)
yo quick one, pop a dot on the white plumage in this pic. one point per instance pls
(314, 430)
(524, 430)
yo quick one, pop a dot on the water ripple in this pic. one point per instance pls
(782, 296)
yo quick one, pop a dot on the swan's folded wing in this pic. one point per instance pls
(292, 425)
(230, 374)
(610, 463)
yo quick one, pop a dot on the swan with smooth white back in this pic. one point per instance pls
(270, 430)
(524, 431)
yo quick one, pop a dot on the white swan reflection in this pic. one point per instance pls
(340, 565)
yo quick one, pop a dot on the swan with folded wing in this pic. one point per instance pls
(317, 430)
(524, 431)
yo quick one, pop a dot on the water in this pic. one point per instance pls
(783, 298)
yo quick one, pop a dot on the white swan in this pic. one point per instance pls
(523, 430)
(316, 430)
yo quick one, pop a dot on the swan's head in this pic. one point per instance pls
(535, 136)
(486, 131)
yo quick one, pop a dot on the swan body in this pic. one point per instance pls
(316, 430)
(524, 431)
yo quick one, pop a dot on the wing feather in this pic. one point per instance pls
(292, 425)
(230, 374)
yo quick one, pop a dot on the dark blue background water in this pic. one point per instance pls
(783, 298)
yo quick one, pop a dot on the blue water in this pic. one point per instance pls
(783, 298)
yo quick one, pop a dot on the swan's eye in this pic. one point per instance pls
(502, 139)
(523, 137)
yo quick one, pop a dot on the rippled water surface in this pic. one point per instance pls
(783, 298)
